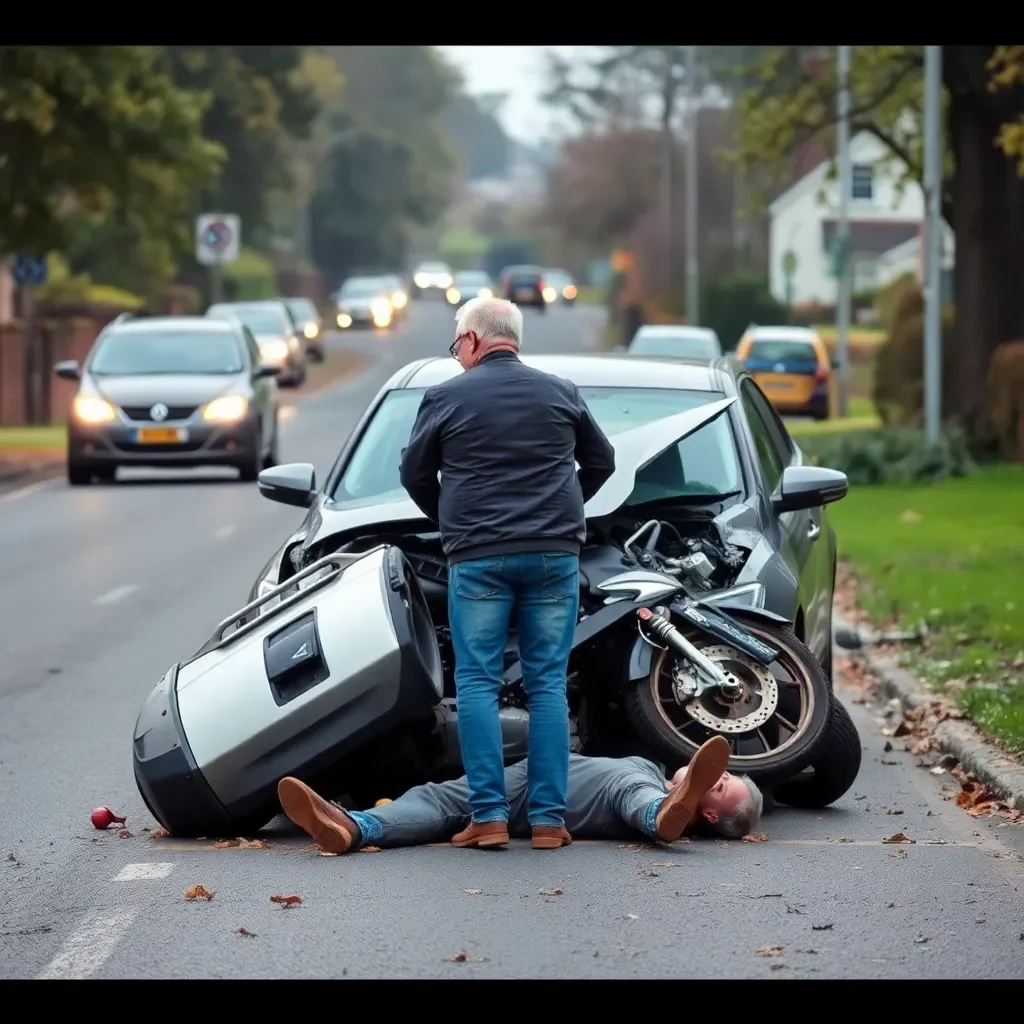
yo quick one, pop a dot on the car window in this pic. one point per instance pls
(706, 462)
(252, 346)
(361, 289)
(758, 411)
(301, 309)
(259, 319)
(779, 351)
(679, 346)
(141, 353)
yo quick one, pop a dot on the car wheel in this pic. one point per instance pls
(106, 474)
(79, 475)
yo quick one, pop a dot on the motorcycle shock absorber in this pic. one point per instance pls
(657, 625)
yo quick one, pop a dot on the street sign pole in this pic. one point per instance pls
(843, 280)
(218, 241)
(933, 240)
(692, 243)
(29, 272)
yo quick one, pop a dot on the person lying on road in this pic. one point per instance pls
(609, 798)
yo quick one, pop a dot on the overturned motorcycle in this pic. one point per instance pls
(342, 674)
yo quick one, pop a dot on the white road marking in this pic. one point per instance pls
(138, 872)
(24, 492)
(115, 595)
(88, 947)
(224, 532)
(286, 413)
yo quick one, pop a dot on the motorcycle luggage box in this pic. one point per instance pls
(348, 656)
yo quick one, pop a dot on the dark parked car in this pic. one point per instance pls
(525, 286)
(307, 318)
(179, 392)
(277, 333)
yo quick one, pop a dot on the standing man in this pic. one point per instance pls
(505, 439)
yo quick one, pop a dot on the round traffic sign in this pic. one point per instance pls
(216, 236)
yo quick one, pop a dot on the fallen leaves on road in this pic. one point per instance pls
(286, 902)
(899, 853)
(755, 837)
(226, 844)
(894, 810)
(980, 801)
(123, 833)
(245, 933)
(464, 958)
(473, 892)
(768, 951)
(159, 833)
(821, 927)
(199, 892)
(550, 892)
(899, 837)
(254, 844)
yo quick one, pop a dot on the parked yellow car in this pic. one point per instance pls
(792, 367)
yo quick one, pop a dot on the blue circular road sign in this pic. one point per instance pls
(28, 270)
(216, 236)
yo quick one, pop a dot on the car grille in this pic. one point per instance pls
(140, 413)
(158, 449)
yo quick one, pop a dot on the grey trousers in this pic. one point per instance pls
(609, 798)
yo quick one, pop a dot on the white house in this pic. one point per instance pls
(885, 227)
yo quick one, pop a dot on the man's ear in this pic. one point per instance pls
(710, 815)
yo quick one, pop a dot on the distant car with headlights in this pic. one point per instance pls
(171, 392)
(365, 302)
(675, 341)
(562, 285)
(469, 284)
(307, 317)
(430, 277)
(280, 339)
(525, 286)
(398, 293)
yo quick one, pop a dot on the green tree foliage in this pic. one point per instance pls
(390, 164)
(478, 136)
(90, 129)
(983, 193)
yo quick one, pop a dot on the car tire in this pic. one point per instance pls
(105, 474)
(79, 475)
(833, 769)
(316, 354)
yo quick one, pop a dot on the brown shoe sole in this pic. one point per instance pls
(549, 842)
(313, 815)
(487, 841)
(679, 807)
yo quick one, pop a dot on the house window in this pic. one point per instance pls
(863, 182)
(865, 276)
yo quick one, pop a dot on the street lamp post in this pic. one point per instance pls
(692, 254)
(933, 241)
(844, 281)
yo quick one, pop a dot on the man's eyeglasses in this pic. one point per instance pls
(455, 344)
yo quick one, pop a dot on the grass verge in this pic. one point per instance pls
(590, 295)
(948, 554)
(868, 337)
(32, 440)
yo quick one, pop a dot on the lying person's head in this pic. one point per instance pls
(731, 808)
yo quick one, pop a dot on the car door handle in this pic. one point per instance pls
(813, 531)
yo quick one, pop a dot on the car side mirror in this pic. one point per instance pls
(804, 487)
(268, 370)
(68, 370)
(293, 484)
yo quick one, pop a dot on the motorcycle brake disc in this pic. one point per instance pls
(766, 688)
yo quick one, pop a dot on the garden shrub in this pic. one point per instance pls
(1006, 399)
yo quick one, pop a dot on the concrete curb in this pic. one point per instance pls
(956, 738)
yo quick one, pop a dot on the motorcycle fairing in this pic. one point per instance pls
(724, 628)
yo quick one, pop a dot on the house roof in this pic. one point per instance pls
(872, 237)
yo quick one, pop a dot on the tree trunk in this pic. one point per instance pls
(988, 223)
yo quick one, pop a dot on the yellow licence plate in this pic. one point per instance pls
(160, 435)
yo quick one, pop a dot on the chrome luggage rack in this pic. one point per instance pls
(339, 562)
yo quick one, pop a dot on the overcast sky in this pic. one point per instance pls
(517, 70)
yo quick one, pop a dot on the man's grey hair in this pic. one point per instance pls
(746, 817)
(491, 319)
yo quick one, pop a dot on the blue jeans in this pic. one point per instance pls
(539, 595)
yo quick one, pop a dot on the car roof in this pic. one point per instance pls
(782, 333)
(247, 304)
(146, 324)
(589, 371)
(432, 263)
(674, 331)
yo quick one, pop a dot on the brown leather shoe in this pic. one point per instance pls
(487, 835)
(550, 837)
(678, 808)
(332, 829)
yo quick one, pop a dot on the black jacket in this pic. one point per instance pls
(505, 438)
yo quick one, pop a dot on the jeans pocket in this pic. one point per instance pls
(477, 580)
(561, 577)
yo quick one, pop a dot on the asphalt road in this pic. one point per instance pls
(101, 589)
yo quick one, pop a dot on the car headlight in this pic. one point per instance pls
(399, 299)
(750, 595)
(94, 410)
(444, 281)
(549, 294)
(226, 409)
(453, 295)
(293, 343)
(274, 351)
(485, 293)
(344, 320)
(422, 280)
(310, 330)
(569, 291)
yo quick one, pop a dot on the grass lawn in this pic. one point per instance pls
(861, 416)
(590, 295)
(864, 336)
(32, 439)
(949, 554)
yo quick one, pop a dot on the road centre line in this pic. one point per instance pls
(143, 871)
(116, 595)
(24, 492)
(89, 946)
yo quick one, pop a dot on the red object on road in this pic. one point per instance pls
(104, 817)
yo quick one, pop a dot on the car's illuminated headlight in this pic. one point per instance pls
(569, 291)
(94, 410)
(344, 320)
(750, 595)
(549, 294)
(453, 295)
(310, 330)
(485, 293)
(399, 299)
(443, 281)
(226, 409)
(422, 280)
(274, 351)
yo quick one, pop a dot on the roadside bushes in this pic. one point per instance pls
(898, 392)
(1006, 399)
(891, 455)
(728, 305)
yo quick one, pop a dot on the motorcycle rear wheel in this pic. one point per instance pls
(676, 743)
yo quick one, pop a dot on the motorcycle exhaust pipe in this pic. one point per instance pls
(658, 624)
